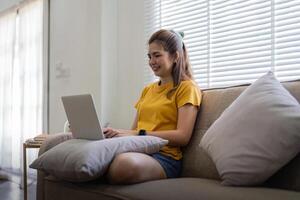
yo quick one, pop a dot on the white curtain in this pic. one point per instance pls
(7, 38)
(21, 83)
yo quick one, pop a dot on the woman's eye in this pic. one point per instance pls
(154, 56)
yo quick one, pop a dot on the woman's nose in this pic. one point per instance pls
(152, 61)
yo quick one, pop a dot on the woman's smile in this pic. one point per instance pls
(155, 68)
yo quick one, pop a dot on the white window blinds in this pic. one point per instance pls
(287, 39)
(232, 42)
(240, 38)
(188, 16)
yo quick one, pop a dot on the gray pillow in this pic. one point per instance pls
(83, 160)
(256, 135)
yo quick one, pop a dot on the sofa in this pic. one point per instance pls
(199, 178)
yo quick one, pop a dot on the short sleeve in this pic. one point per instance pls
(188, 92)
(145, 90)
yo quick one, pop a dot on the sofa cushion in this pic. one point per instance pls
(175, 189)
(196, 162)
(84, 160)
(256, 135)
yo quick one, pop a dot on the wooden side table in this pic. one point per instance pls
(26, 145)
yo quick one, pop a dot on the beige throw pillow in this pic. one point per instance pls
(83, 160)
(256, 135)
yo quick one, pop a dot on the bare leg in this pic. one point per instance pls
(128, 168)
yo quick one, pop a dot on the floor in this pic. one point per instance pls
(10, 190)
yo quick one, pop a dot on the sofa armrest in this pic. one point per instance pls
(51, 141)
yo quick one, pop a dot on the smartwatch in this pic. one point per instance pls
(142, 132)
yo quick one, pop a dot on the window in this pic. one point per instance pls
(21, 79)
(232, 42)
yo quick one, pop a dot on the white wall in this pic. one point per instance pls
(131, 59)
(74, 54)
(109, 61)
(96, 46)
(122, 60)
(6, 4)
(102, 44)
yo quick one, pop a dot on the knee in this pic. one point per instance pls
(124, 169)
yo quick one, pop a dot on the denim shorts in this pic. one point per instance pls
(171, 166)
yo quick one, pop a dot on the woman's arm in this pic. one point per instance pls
(180, 137)
(186, 120)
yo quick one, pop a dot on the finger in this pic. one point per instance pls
(110, 133)
(107, 129)
(106, 132)
(114, 133)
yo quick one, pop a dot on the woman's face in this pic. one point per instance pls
(160, 60)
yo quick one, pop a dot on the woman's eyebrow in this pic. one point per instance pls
(153, 53)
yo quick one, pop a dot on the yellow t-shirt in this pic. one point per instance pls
(157, 112)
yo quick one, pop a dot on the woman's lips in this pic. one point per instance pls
(155, 68)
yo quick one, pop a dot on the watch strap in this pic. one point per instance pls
(142, 132)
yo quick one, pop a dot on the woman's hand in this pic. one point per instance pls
(111, 132)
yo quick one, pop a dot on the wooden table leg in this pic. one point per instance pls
(24, 172)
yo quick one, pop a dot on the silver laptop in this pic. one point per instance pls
(82, 116)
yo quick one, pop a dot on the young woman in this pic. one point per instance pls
(166, 109)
